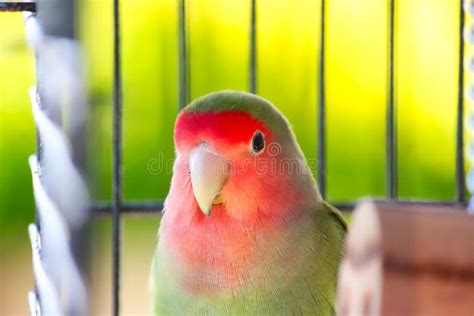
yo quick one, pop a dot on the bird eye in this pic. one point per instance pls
(258, 142)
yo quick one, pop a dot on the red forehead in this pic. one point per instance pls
(232, 127)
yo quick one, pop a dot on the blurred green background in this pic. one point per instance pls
(288, 44)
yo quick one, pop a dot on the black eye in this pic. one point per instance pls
(258, 142)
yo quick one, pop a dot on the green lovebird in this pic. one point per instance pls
(244, 229)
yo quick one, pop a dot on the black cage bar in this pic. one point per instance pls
(183, 55)
(18, 6)
(460, 189)
(321, 150)
(117, 161)
(391, 173)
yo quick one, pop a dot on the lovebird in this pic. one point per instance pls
(244, 229)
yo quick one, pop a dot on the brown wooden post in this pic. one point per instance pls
(405, 259)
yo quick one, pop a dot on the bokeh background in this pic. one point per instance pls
(288, 42)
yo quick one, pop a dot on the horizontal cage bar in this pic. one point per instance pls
(17, 6)
(154, 207)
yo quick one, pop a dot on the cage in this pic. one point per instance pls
(50, 31)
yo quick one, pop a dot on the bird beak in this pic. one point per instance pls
(208, 174)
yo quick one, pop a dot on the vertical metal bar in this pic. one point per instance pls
(183, 56)
(253, 48)
(57, 17)
(391, 172)
(117, 162)
(321, 169)
(460, 189)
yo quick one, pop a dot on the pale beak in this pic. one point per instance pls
(208, 174)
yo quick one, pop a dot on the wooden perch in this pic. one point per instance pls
(403, 259)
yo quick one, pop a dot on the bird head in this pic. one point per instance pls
(237, 150)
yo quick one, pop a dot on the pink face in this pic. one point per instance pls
(230, 133)
(244, 143)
